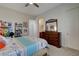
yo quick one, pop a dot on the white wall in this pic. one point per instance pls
(68, 23)
(73, 29)
(11, 15)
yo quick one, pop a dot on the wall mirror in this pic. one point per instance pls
(52, 25)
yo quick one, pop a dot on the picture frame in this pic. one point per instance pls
(25, 28)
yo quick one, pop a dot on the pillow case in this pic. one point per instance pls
(2, 45)
(2, 42)
(3, 39)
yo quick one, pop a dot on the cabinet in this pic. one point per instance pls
(51, 37)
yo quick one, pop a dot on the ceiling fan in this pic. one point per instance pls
(35, 4)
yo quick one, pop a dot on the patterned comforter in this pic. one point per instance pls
(23, 46)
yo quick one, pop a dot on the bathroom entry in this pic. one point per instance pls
(41, 24)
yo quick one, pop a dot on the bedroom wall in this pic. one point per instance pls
(68, 23)
(13, 16)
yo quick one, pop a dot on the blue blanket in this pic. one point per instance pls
(30, 47)
(25, 41)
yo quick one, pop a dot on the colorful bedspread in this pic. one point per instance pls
(25, 46)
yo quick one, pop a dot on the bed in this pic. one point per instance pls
(24, 46)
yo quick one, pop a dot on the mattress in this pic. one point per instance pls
(23, 46)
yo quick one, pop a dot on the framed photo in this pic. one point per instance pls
(25, 24)
(25, 28)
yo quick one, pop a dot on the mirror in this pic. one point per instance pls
(52, 25)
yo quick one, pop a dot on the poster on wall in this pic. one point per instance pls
(18, 29)
(5, 28)
(25, 28)
(10, 28)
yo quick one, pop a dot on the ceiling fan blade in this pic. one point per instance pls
(26, 4)
(36, 5)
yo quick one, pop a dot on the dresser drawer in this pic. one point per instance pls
(52, 38)
(53, 35)
(54, 43)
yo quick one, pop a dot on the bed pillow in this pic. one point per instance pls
(2, 45)
(3, 39)
(2, 42)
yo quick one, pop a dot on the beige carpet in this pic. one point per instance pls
(54, 51)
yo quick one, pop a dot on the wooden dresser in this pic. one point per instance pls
(51, 37)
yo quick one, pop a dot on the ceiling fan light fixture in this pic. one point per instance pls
(31, 3)
(35, 4)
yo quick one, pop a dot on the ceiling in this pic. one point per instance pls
(31, 9)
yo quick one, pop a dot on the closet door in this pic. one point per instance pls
(32, 27)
